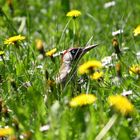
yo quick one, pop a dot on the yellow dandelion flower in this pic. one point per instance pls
(14, 39)
(39, 44)
(2, 53)
(96, 75)
(137, 31)
(121, 104)
(51, 52)
(82, 99)
(89, 66)
(73, 13)
(135, 69)
(6, 131)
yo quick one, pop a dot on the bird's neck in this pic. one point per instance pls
(64, 71)
(66, 67)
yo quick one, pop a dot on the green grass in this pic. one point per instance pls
(30, 107)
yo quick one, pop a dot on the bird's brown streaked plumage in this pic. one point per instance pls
(69, 57)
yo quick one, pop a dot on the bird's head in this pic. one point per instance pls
(68, 57)
(74, 54)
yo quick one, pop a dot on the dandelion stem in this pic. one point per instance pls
(74, 32)
(64, 30)
(74, 27)
(88, 86)
(107, 127)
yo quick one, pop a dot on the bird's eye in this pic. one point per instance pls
(73, 51)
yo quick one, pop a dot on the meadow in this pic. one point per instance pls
(34, 34)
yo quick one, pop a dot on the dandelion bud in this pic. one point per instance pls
(50, 82)
(118, 69)
(115, 44)
(0, 105)
(10, 4)
(40, 46)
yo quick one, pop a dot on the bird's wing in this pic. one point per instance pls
(63, 73)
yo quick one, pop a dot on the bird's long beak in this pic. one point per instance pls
(88, 48)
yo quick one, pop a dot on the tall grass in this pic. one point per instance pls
(27, 99)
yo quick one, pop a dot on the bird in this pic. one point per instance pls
(70, 59)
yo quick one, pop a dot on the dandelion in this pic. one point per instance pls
(137, 31)
(14, 39)
(40, 46)
(51, 52)
(96, 75)
(121, 104)
(6, 131)
(135, 69)
(89, 66)
(82, 99)
(73, 13)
